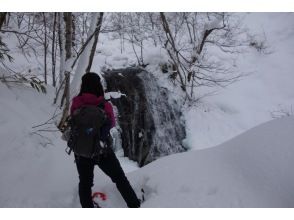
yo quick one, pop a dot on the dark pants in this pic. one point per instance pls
(111, 167)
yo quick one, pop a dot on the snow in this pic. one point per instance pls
(35, 170)
(32, 168)
(251, 170)
(114, 95)
(214, 24)
(140, 134)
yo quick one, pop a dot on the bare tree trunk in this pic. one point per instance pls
(142, 60)
(153, 25)
(7, 20)
(60, 32)
(188, 27)
(73, 31)
(2, 18)
(68, 55)
(84, 29)
(54, 52)
(174, 53)
(68, 34)
(68, 52)
(97, 31)
(61, 47)
(134, 49)
(19, 18)
(45, 47)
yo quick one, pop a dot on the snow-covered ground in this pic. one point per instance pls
(251, 170)
(34, 167)
(34, 170)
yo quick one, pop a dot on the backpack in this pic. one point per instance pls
(85, 129)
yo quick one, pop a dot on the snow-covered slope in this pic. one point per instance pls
(254, 169)
(34, 167)
(35, 171)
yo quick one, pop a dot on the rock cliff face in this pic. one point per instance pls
(150, 123)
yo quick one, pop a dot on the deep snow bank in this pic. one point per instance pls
(35, 171)
(254, 169)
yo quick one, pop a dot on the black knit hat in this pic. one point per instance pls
(91, 84)
(90, 76)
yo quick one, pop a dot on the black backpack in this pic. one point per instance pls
(85, 127)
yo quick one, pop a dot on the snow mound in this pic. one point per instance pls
(254, 169)
(35, 171)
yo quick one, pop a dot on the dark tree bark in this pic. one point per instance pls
(54, 51)
(68, 34)
(45, 46)
(2, 18)
(73, 30)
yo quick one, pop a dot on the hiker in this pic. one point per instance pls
(92, 94)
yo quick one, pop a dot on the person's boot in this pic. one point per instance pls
(96, 205)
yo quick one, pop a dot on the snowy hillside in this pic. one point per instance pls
(254, 169)
(35, 171)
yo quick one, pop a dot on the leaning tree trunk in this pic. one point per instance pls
(83, 61)
(97, 31)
